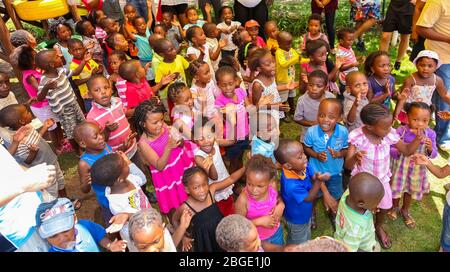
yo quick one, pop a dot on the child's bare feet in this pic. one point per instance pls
(383, 238)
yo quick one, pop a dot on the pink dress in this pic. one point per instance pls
(262, 208)
(376, 161)
(190, 146)
(32, 92)
(169, 188)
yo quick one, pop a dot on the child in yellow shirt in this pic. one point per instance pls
(271, 30)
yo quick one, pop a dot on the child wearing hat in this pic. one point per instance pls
(57, 223)
(252, 28)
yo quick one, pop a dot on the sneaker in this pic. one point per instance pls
(397, 65)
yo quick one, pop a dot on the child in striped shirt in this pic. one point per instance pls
(345, 55)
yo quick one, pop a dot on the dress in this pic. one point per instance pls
(204, 224)
(406, 175)
(271, 90)
(169, 188)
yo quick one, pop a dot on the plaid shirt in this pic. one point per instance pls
(377, 158)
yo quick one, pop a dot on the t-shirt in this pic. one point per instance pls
(345, 56)
(177, 66)
(145, 52)
(85, 73)
(319, 141)
(272, 43)
(172, 34)
(138, 92)
(60, 96)
(213, 45)
(207, 49)
(436, 15)
(199, 23)
(263, 148)
(9, 100)
(285, 69)
(354, 229)
(294, 189)
(240, 130)
(223, 26)
(378, 89)
(88, 236)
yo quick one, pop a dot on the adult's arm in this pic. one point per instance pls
(432, 13)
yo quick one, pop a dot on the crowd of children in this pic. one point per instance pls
(193, 111)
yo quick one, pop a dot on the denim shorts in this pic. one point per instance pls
(334, 186)
(277, 238)
(298, 233)
(445, 235)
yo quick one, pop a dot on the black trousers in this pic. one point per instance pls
(216, 4)
(259, 13)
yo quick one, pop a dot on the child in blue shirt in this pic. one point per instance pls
(297, 189)
(266, 134)
(326, 146)
(57, 222)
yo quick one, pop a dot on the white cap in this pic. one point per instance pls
(429, 54)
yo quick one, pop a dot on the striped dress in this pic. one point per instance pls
(169, 188)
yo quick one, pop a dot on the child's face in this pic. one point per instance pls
(99, 14)
(154, 123)
(140, 71)
(149, 239)
(227, 15)
(199, 37)
(285, 43)
(140, 25)
(5, 85)
(130, 13)
(192, 16)
(382, 127)
(111, 27)
(89, 29)
(101, 91)
(160, 31)
(114, 63)
(298, 160)
(63, 240)
(213, 33)
(252, 243)
(120, 43)
(418, 118)
(426, 67)
(167, 19)
(359, 85)
(314, 27)
(257, 184)
(169, 54)
(320, 56)
(272, 30)
(381, 66)
(77, 50)
(197, 187)
(316, 87)
(63, 33)
(206, 142)
(348, 40)
(55, 60)
(92, 137)
(267, 65)
(203, 74)
(253, 31)
(245, 36)
(25, 116)
(185, 98)
(328, 115)
(227, 84)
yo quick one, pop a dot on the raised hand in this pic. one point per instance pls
(118, 245)
(111, 126)
(207, 162)
(208, 8)
(223, 43)
(387, 87)
(21, 133)
(445, 115)
(322, 156)
(49, 122)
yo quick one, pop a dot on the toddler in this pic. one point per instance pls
(212, 34)
(227, 28)
(90, 42)
(174, 30)
(265, 135)
(204, 89)
(381, 83)
(271, 30)
(314, 27)
(355, 98)
(252, 27)
(345, 55)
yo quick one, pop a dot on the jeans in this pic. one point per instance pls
(445, 235)
(259, 13)
(442, 127)
(298, 233)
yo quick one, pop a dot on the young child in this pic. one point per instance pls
(260, 202)
(252, 27)
(355, 98)
(381, 83)
(420, 86)
(21, 37)
(314, 31)
(115, 59)
(204, 89)
(369, 152)
(130, 13)
(410, 180)
(308, 103)
(212, 34)
(235, 233)
(199, 49)
(123, 190)
(57, 223)
(227, 28)
(206, 213)
(63, 33)
(163, 153)
(95, 17)
(174, 30)
(27, 145)
(317, 51)
(90, 42)
(7, 97)
(265, 135)
(192, 16)
(55, 87)
(209, 158)
(78, 52)
(272, 31)
(297, 189)
(354, 219)
(117, 41)
(345, 55)
(286, 58)
(232, 103)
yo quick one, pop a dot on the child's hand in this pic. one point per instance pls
(33, 148)
(358, 99)
(49, 122)
(207, 162)
(175, 23)
(207, 8)
(321, 177)
(31, 100)
(292, 85)
(186, 243)
(330, 203)
(387, 87)
(360, 156)
(429, 145)
(445, 115)
(334, 154)
(98, 70)
(87, 56)
(304, 78)
(51, 85)
(118, 246)
(124, 157)
(173, 143)
(185, 219)
(129, 140)
(268, 221)
(266, 99)
(168, 78)
(419, 134)
(420, 159)
(284, 107)
(117, 222)
(111, 126)
(322, 156)
(404, 94)
(147, 66)
(223, 43)
(20, 134)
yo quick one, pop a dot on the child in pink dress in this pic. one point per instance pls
(163, 152)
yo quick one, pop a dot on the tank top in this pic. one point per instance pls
(271, 90)
(32, 92)
(421, 93)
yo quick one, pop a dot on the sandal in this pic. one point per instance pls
(392, 214)
(385, 242)
(409, 221)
